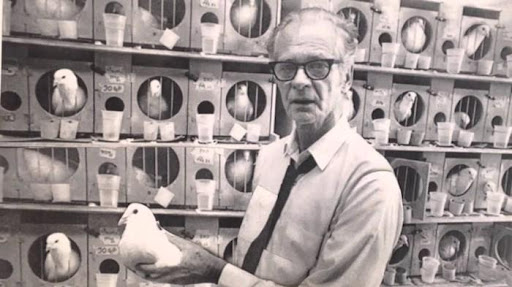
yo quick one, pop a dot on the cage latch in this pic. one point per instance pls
(376, 10)
(98, 69)
(92, 232)
(368, 87)
(490, 97)
(192, 76)
(432, 92)
(440, 19)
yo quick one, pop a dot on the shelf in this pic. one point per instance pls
(114, 210)
(433, 148)
(463, 219)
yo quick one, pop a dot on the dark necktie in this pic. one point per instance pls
(252, 258)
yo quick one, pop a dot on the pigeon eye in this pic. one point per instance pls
(135, 211)
(57, 241)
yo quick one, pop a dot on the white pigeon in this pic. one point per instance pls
(460, 182)
(462, 119)
(244, 15)
(240, 106)
(413, 36)
(67, 98)
(449, 248)
(145, 178)
(472, 41)
(43, 168)
(403, 106)
(144, 241)
(61, 261)
(150, 20)
(152, 103)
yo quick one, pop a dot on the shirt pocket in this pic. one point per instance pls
(280, 270)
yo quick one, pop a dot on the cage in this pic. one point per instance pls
(119, 7)
(40, 172)
(469, 107)
(439, 107)
(247, 98)
(113, 88)
(436, 174)
(361, 14)
(236, 174)
(497, 109)
(206, 12)
(46, 100)
(227, 239)
(12, 186)
(488, 177)
(503, 46)
(103, 239)
(18, 16)
(204, 232)
(478, 35)
(201, 163)
(384, 26)
(150, 168)
(401, 256)
(377, 104)
(14, 100)
(205, 92)
(424, 245)
(501, 246)
(448, 32)
(461, 176)
(110, 161)
(358, 99)
(38, 234)
(159, 94)
(481, 235)
(10, 264)
(417, 28)
(151, 18)
(248, 25)
(80, 11)
(452, 245)
(409, 104)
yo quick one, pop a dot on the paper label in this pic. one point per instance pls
(237, 132)
(213, 4)
(380, 93)
(204, 238)
(207, 82)
(203, 155)
(106, 250)
(435, 171)
(9, 70)
(450, 32)
(378, 103)
(108, 153)
(164, 196)
(111, 88)
(115, 74)
(489, 173)
(507, 35)
(8, 117)
(109, 235)
(499, 103)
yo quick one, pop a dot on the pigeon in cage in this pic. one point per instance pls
(403, 106)
(61, 260)
(490, 186)
(146, 178)
(239, 171)
(413, 36)
(150, 20)
(474, 38)
(44, 168)
(462, 119)
(460, 182)
(240, 106)
(55, 9)
(244, 15)
(449, 247)
(68, 97)
(152, 103)
(144, 240)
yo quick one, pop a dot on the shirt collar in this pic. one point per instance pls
(322, 150)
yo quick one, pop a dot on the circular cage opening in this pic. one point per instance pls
(4, 163)
(229, 252)
(205, 107)
(504, 250)
(49, 165)
(108, 168)
(505, 52)
(410, 183)
(432, 186)
(114, 104)
(417, 33)
(155, 167)
(477, 41)
(439, 118)
(58, 10)
(459, 180)
(58, 94)
(447, 45)
(204, 173)
(250, 18)
(239, 169)
(209, 17)
(408, 108)
(109, 266)
(10, 101)
(114, 7)
(497, 121)
(246, 101)
(356, 102)
(39, 257)
(161, 14)
(400, 251)
(452, 245)
(468, 112)
(159, 98)
(385, 38)
(357, 17)
(6, 269)
(506, 182)
(480, 251)
(378, 114)
(423, 253)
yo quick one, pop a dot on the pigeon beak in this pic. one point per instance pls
(122, 221)
(48, 247)
(55, 83)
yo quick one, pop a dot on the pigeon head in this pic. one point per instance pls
(419, 21)
(155, 88)
(57, 241)
(489, 186)
(242, 88)
(136, 212)
(402, 240)
(63, 77)
(471, 172)
(410, 97)
(484, 30)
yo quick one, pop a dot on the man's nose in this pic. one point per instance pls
(301, 80)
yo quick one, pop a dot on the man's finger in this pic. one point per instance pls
(150, 268)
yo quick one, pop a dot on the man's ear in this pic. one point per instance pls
(348, 74)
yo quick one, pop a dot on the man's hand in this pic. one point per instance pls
(197, 265)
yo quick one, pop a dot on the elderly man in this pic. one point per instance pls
(326, 208)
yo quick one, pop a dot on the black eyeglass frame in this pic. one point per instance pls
(330, 62)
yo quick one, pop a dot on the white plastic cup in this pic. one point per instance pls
(205, 123)
(389, 53)
(108, 187)
(167, 132)
(68, 129)
(389, 276)
(68, 29)
(210, 33)
(417, 138)
(381, 130)
(253, 133)
(484, 67)
(106, 280)
(205, 189)
(448, 271)
(411, 60)
(48, 27)
(61, 192)
(360, 55)
(50, 129)
(429, 269)
(454, 58)
(169, 39)
(150, 130)
(507, 207)
(424, 62)
(509, 66)
(407, 213)
(114, 29)
(495, 202)
(501, 136)
(437, 203)
(404, 136)
(41, 191)
(445, 132)
(456, 206)
(6, 18)
(469, 206)
(465, 138)
(486, 267)
(430, 261)
(111, 124)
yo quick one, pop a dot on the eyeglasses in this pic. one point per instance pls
(315, 70)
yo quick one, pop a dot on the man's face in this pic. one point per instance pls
(310, 102)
